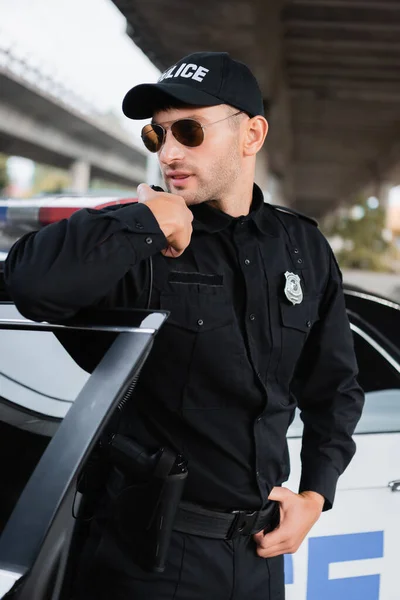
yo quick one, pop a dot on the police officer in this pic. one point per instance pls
(257, 327)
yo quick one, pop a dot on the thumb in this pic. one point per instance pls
(279, 494)
(144, 192)
(258, 537)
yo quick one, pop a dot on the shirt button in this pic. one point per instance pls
(138, 225)
(241, 221)
(259, 419)
(257, 473)
(247, 261)
(149, 240)
(299, 260)
(296, 250)
(252, 317)
(200, 322)
(308, 323)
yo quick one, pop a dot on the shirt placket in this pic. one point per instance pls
(256, 327)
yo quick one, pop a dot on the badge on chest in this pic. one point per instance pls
(293, 291)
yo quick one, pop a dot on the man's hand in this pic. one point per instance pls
(173, 217)
(299, 512)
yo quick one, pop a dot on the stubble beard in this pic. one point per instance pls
(219, 181)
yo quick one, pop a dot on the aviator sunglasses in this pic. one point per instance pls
(188, 132)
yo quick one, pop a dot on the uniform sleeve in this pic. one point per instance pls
(53, 273)
(328, 394)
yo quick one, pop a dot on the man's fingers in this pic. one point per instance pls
(298, 515)
(288, 545)
(172, 252)
(276, 550)
(274, 543)
(259, 538)
(280, 494)
(144, 192)
(270, 539)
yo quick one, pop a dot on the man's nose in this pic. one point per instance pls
(171, 150)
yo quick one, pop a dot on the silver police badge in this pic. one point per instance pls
(293, 291)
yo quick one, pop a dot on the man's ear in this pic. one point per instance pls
(256, 132)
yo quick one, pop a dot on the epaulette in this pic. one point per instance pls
(291, 211)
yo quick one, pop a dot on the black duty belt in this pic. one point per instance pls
(204, 522)
(197, 520)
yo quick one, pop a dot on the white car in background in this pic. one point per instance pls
(352, 553)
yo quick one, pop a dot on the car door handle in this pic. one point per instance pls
(394, 485)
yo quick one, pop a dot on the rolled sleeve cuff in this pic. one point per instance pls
(321, 479)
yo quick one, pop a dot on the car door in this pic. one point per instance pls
(352, 553)
(36, 537)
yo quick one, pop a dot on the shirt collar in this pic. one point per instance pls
(207, 218)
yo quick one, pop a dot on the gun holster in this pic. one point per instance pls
(145, 491)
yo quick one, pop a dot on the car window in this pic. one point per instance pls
(378, 369)
(379, 376)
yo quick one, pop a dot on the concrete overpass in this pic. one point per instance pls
(43, 121)
(329, 72)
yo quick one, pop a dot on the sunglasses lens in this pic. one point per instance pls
(188, 132)
(153, 136)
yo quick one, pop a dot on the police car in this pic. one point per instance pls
(49, 380)
(351, 553)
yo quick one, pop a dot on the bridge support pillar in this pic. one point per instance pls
(262, 174)
(277, 191)
(272, 186)
(80, 176)
(383, 191)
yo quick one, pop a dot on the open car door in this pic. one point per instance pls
(35, 543)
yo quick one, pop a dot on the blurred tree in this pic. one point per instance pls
(49, 180)
(114, 188)
(4, 181)
(362, 229)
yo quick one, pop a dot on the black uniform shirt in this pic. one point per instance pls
(235, 356)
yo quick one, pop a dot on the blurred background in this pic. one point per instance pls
(329, 73)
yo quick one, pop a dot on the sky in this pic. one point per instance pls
(82, 43)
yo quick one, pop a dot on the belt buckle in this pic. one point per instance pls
(243, 523)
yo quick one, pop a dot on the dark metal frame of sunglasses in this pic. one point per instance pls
(153, 135)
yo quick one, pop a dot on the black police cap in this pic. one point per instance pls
(199, 79)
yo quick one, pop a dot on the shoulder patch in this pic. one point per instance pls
(291, 211)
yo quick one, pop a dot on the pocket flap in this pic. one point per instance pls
(197, 312)
(300, 316)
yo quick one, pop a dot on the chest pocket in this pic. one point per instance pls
(206, 345)
(197, 312)
(296, 323)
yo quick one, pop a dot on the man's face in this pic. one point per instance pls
(209, 171)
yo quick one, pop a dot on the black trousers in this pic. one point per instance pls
(197, 569)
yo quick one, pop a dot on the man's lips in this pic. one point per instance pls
(177, 175)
